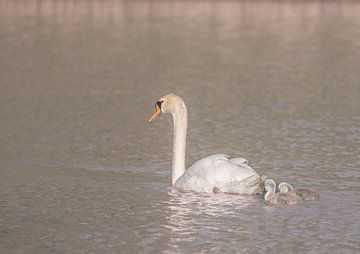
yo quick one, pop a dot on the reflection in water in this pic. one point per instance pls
(114, 11)
(189, 213)
(226, 7)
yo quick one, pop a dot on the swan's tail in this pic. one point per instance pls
(252, 185)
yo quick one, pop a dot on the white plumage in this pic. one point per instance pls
(219, 171)
(215, 173)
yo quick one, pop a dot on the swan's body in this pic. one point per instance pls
(215, 173)
(221, 172)
(305, 194)
(271, 197)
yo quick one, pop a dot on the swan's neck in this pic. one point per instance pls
(285, 187)
(179, 142)
(269, 193)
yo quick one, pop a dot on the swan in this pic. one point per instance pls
(271, 197)
(215, 173)
(305, 194)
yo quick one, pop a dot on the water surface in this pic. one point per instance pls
(81, 170)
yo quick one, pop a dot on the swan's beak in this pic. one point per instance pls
(155, 114)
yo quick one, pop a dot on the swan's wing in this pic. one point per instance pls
(219, 168)
(208, 162)
(239, 161)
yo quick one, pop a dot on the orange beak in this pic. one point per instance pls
(155, 114)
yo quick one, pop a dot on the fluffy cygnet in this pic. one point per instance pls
(305, 194)
(271, 197)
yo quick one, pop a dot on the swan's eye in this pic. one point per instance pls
(158, 103)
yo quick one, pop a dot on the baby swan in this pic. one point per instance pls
(305, 194)
(271, 197)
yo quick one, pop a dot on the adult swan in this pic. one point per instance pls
(215, 173)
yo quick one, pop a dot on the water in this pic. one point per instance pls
(81, 170)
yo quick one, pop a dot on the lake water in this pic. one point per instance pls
(82, 171)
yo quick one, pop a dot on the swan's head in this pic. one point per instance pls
(270, 185)
(285, 187)
(170, 103)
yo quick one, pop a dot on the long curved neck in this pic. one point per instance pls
(179, 142)
(269, 193)
(285, 187)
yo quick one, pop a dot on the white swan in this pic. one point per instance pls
(305, 194)
(281, 198)
(215, 173)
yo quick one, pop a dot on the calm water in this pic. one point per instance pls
(82, 171)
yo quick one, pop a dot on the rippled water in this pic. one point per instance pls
(81, 170)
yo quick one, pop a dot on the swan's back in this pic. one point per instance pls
(305, 194)
(283, 199)
(218, 170)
